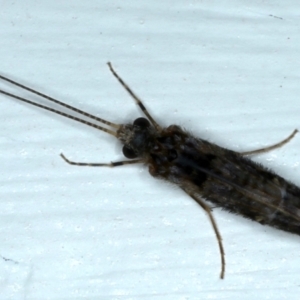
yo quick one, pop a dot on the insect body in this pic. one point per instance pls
(203, 170)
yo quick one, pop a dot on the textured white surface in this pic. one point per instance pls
(229, 72)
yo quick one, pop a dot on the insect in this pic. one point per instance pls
(203, 170)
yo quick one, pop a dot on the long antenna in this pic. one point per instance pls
(59, 112)
(59, 102)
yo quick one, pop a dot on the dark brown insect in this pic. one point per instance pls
(203, 170)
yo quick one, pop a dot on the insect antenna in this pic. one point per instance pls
(109, 131)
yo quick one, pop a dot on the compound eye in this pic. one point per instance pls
(128, 152)
(141, 122)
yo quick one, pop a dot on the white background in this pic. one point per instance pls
(228, 72)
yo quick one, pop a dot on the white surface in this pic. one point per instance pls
(228, 72)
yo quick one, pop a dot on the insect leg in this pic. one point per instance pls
(111, 164)
(215, 227)
(135, 97)
(275, 146)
